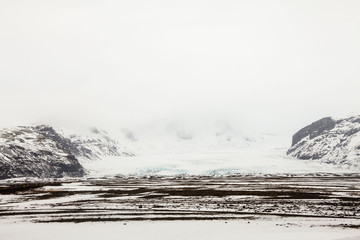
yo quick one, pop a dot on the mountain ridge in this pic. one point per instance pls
(41, 151)
(333, 141)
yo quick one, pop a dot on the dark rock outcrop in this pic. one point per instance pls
(313, 130)
(41, 151)
(37, 152)
(329, 141)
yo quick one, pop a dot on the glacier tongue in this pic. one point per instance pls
(171, 156)
(44, 151)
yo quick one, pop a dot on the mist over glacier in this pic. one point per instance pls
(179, 119)
(264, 65)
(212, 149)
(201, 80)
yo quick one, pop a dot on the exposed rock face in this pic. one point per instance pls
(313, 130)
(37, 152)
(330, 141)
(40, 151)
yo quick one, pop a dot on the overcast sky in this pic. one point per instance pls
(262, 64)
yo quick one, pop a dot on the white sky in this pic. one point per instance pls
(261, 64)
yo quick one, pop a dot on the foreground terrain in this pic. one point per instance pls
(183, 198)
(251, 207)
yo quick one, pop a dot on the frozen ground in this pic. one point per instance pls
(310, 206)
(278, 229)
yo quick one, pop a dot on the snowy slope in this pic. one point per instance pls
(171, 149)
(217, 149)
(211, 149)
(41, 151)
(166, 149)
(329, 141)
(95, 143)
(196, 149)
(37, 152)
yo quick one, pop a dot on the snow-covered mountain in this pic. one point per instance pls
(95, 144)
(163, 148)
(335, 141)
(42, 151)
(208, 148)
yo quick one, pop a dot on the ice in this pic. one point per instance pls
(216, 163)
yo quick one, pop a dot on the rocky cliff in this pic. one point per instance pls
(335, 141)
(41, 151)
